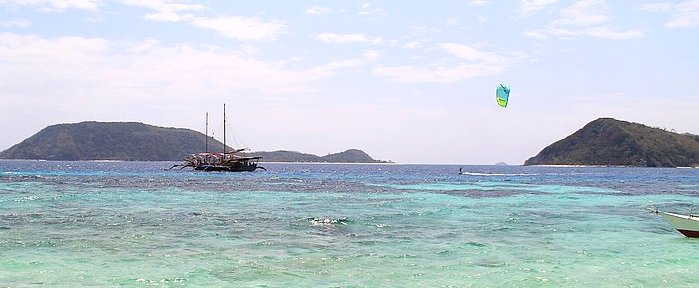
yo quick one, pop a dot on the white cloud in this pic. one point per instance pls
(34, 49)
(167, 11)
(604, 32)
(583, 18)
(347, 38)
(372, 54)
(166, 16)
(242, 28)
(18, 23)
(55, 5)
(529, 7)
(318, 10)
(164, 5)
(474, 63)
(412, 74)
(683, 14)
(342, 38)
(584, 13)
(78, 70)
(463, 51)
(412, 45)
(368, 9)
(597, 32)
(236, 27)
(479, 2)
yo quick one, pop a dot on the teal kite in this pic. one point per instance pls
(502, 94)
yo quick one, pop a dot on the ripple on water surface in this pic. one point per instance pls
(132, 224)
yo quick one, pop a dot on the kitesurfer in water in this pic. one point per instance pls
(460, 171)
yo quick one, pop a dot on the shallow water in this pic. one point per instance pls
(326, 225)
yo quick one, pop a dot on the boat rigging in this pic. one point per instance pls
(230, 161)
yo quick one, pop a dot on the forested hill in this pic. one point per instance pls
(612, 142)
(349, 156)
(133, 141)
(110, 141)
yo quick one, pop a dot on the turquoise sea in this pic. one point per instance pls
(132, 224)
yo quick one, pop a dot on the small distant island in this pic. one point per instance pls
(133, 141)
(611, 142)
(348, 156)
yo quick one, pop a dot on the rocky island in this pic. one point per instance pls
(611, 142)
(132, 141)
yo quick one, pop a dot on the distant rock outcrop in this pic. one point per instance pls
(133, 141)
(611, 142)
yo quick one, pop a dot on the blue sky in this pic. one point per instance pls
(408, 81)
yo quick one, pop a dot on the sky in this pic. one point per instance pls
(406, 81)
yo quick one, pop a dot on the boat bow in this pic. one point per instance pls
(688, 225)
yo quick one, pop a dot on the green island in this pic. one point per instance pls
(132, 141)
(611, 142)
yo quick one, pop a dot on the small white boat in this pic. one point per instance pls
(688, 225)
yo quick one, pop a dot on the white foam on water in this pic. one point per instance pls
(498, 174)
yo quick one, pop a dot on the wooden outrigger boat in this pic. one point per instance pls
(230, 161)
(222, 162)
(688, 225)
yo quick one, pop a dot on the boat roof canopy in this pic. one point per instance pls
(203, 154)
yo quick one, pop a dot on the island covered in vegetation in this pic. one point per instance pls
(611, 142)
(132, 141)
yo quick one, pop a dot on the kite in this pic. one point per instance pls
(502, 94)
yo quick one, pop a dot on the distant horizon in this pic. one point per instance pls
(388, 161)
(409, 82)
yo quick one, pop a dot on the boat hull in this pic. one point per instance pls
(687, 225)
(232, 168)
(222, 162)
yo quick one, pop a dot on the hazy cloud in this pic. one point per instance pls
(372, 54)
(474, 63)
(369, 9)
(54, 5)
(167, 11)
(470, 53)
(242, 28)
(115, 70)
(584, 13)
(413, 74)
(236, 27)
(318, 10)
(479, 2)
(583, 18)
(412, 45)
(683, 14)
(347, 38)
(529, 7)
(597, 32)
(17, 23)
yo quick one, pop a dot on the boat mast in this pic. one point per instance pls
(207, 132)
(224, 130)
